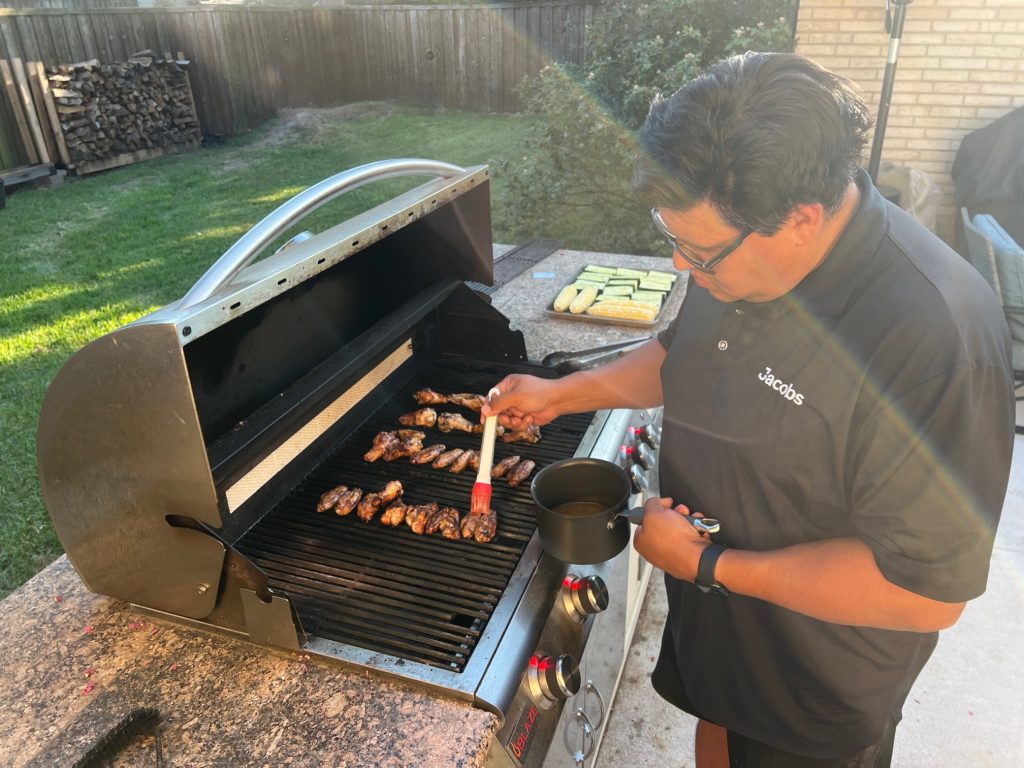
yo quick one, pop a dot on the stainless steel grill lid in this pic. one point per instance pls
(143, 432)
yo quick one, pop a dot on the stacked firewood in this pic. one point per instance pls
(106, 110)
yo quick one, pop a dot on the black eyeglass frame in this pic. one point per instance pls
(706, 265)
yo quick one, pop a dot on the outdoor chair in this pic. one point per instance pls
(1001, 262)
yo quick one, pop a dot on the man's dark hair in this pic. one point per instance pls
(754, 136)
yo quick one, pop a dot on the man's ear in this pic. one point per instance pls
(805, 222)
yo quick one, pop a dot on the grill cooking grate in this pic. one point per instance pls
(388, 590)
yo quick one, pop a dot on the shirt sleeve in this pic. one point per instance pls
(665, 336)
(931, 470)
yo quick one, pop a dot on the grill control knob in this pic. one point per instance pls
(649, 434)
(638, 478)
(644, 456)
(552, 679)
(584, 595)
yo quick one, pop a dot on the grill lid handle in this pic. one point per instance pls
(252, 243)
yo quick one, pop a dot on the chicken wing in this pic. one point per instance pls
(416, 518)
(424, 417)
(520, 472)
(445, 520)
(347, 501)
(447, 458)
(427, 455)
(463, 461)
(330, 498)
(395, 514)
(382, 441)
(529, 435)
(368, 507)
(391, 491)
(502, 467)
(481, 527)
(404, 447)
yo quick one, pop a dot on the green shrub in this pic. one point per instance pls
(573, 182)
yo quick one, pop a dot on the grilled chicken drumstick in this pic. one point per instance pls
(520, 472)
(428, 396)
(424, 417)
(454, 422)
(373, 501)
(473, 402)
(330, 498)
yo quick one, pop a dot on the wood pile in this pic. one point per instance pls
(111, 109)
(90, 116)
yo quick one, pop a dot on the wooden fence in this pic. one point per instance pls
(247, 62)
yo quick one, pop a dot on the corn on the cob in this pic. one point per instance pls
(624, 310)
(583, 300)
(564, 298)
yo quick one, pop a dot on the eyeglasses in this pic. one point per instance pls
(704, 265)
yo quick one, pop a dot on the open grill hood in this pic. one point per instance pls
(154, 440)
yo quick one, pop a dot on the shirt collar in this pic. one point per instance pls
(827, 290)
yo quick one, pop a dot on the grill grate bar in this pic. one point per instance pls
(364, 580)
(388, 590)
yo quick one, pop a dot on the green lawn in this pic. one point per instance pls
(83, 258)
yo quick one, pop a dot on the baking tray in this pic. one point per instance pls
(584, 317)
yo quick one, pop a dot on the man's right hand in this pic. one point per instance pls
(524, 400)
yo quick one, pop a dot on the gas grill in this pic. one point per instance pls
(181, 458)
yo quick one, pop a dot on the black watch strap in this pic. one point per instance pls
(705, 580)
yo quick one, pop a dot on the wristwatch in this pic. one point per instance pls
(705, 580)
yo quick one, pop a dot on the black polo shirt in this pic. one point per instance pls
(874, 400)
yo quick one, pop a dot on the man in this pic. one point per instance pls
(838, 393)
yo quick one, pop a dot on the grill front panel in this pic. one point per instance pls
(417, 597)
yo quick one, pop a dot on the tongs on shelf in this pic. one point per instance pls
(567, 362)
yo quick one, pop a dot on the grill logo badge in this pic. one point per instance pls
(785, 389)
(520, 741)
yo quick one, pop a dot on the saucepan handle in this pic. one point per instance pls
(702, 524)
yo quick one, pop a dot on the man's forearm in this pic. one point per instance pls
(836, 581)
(632, 381)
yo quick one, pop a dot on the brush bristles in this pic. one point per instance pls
(480, 503)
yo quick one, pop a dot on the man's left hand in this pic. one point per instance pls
(668, 540)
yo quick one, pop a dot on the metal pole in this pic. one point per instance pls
(896, 32)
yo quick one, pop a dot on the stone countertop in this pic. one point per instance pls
(525, 298)
(76, 664)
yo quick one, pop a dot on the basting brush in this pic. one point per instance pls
(480, 503)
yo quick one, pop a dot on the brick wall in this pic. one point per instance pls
(960, 66)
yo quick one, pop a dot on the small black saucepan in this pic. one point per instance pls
(581, 510)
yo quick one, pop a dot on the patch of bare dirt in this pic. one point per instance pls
(307, 124)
